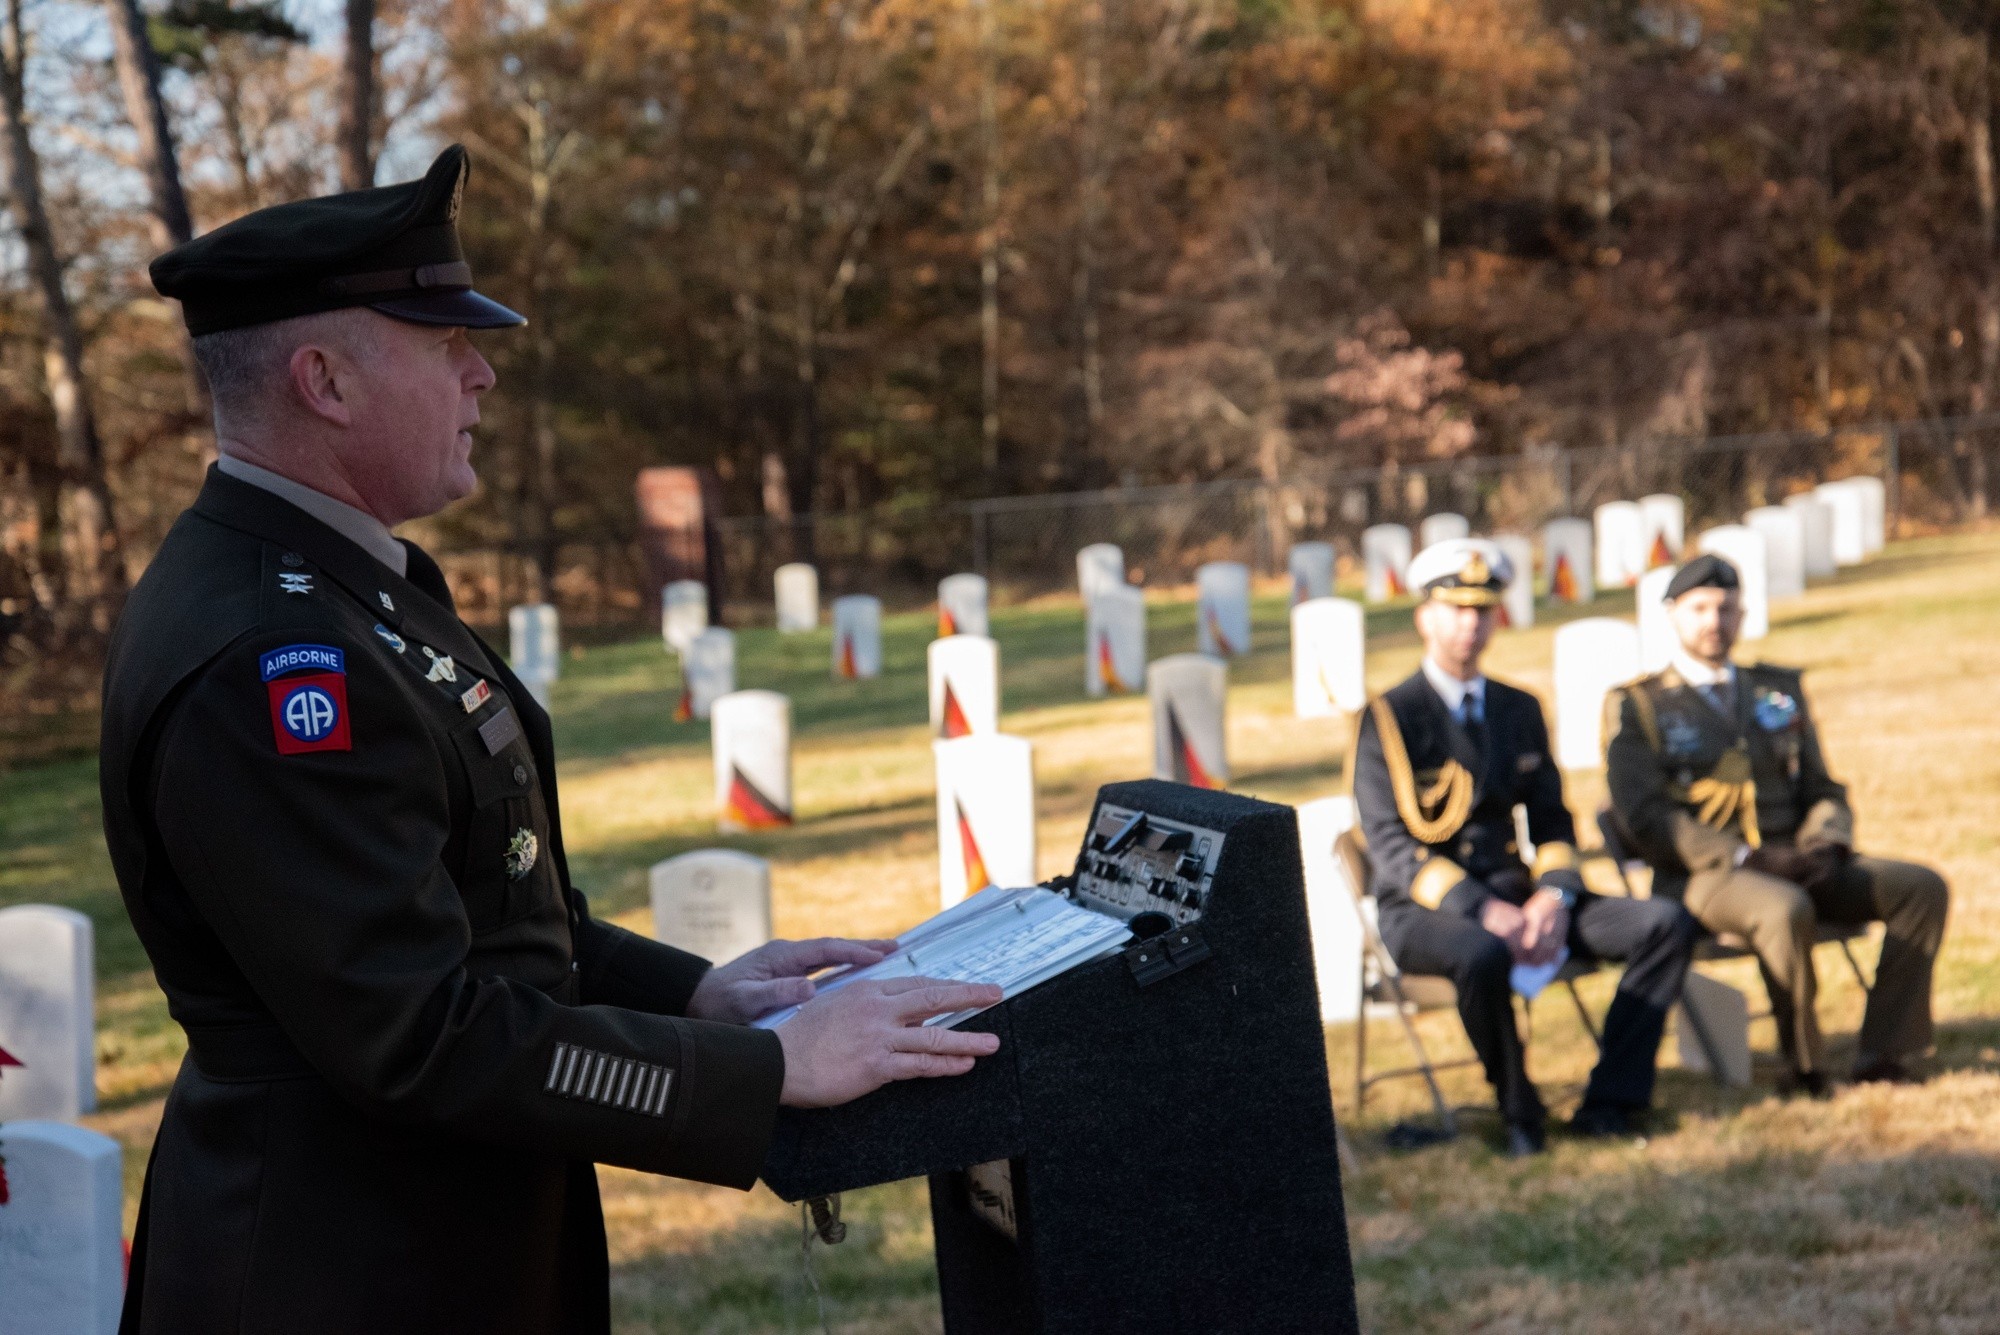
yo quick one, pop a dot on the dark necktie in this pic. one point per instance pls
(1721, 697)
(1472, 716)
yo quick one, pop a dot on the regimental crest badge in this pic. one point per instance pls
(522, 850)
(1680, 736)
(442, 668)
(389, 637)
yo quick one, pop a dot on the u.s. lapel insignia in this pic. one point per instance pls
(389, 637)
(388, 603)
(293, 582)
(476, 695)
(442, 668)
(522, 851)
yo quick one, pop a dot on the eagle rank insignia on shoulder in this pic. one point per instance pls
(522, 851)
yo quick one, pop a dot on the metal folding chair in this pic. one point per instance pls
(1387, 990)
(1619, 850)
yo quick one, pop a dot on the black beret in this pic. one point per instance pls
(394, 248)
(1707, 571)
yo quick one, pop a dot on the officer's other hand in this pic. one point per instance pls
(857, 1039)
(1505, 921)
(774, 975)
(1545, 926)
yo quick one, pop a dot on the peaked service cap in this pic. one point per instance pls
(393, 248)
(1470, 572)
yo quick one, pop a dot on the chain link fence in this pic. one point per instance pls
(1937, 474)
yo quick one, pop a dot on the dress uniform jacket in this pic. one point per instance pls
(333, 815)
(1693, 784)
(1463, 797)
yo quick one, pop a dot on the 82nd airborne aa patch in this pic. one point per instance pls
(307, 685)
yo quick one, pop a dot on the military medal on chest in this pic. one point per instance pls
(522, 850)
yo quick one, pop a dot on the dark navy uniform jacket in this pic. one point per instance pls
(408, 1040)
(1438, 811)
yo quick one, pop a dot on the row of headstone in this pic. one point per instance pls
(534, 647)
(48, 1005)
(985, 814)
(857, 637)
(1114, 630)
(751, 737)
(1222, 609)
(795, 587)
(962, 605)
(1188, 694)
(62, 1254)
(964, 686)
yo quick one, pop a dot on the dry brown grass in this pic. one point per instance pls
(1878, 1211)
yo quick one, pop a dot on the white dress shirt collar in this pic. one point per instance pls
(1699, 674)
(364, 530)
(1453, 691)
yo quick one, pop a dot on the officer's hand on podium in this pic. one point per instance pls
(855, 1040)
(774, 975)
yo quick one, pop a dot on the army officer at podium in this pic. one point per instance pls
(1441, 761)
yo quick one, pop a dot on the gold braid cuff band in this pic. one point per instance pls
(1450, 798)
(1554, 857)
(1434, 880)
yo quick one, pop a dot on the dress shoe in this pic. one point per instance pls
(1525, 1139)
(1887, 1071)
(1606, 1121)
(1805, 1085)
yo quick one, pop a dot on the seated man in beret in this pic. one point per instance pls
(1717, 773)
(1440, 763)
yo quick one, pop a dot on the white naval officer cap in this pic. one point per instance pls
(1467, 572)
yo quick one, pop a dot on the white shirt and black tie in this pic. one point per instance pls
(1465, 700)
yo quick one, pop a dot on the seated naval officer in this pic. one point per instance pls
(1441, 760)
(333, 815)
(1716, 771)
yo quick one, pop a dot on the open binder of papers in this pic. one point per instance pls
(1012, 939)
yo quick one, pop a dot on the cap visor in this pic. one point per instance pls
(465, 308)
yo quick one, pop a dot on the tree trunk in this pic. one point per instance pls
(1987, 382)
(139, 82)
(1090, 219)
(989, 245)
(357, 98)
(96, 581)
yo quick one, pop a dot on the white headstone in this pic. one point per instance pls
(1222, 608)
(1666, 529)
(1099, 566)
(1850, 521)
(1744, 548)
(714, 902)
(857, 636)
(1621, 544)
(708, 669)
(796, 587)
(1592, 656)
(1189, 741)
(965, 686)
(752, 737)
(1657, 640)
(1517, 603)
(1311, 566)
(62, 1254)
(962, 605)
(985, 814)
(1329, 657)
(48, 997)
(683, 613)
(1114, 659)
(1783, 528)
(1335, 923)
(1567, 545)
(1442, 527)
(534, 643)
(1815, 533)
(1385, 552)
(1874, 512)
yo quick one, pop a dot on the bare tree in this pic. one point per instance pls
(91, 551)
(357, 98)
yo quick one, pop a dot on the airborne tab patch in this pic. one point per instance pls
(307, 685)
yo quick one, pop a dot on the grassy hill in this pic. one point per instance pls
(1877, 1211)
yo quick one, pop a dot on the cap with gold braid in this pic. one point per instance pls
(393, 248)
(1467, 572)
